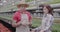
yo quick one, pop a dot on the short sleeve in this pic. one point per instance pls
(16, 16)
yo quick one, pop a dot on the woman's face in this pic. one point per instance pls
(45, 10)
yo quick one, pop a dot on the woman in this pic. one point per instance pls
(22, 19)
(47, 20)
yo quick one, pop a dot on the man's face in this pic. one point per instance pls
(22, 9)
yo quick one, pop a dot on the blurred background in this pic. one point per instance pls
(8, 8)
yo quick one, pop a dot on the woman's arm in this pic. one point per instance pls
(48, 23)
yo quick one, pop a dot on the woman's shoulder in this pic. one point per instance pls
(50, 16)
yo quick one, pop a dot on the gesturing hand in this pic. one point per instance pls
(41, 31)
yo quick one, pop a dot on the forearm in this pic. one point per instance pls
(14, 24)
(48, 25)
(30, 23)
(19, 23)
(46, 28)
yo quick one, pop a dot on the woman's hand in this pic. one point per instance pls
(41, 31)
(33, 30)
